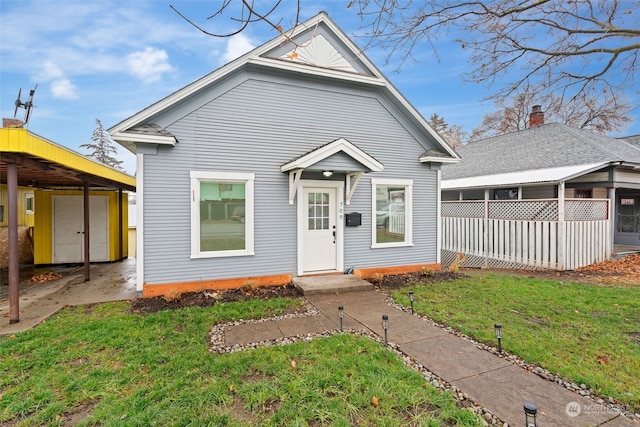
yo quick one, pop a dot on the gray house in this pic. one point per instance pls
(297, 158)
(553, 161)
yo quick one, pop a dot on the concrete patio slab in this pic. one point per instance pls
(249, 333)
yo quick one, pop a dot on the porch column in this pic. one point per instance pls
(14, 267)
(87, 241)
(562, 244)
(120, 225)
(611, 195)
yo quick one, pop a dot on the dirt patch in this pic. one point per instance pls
(25, 246)
(210, 298)
(80, 413)
(622, 271)
(399, 281)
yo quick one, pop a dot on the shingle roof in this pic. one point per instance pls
(633, 140)
(551, 145)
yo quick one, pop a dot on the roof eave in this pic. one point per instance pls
(436, 159)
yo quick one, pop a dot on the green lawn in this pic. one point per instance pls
(585, 333)
(100, 365)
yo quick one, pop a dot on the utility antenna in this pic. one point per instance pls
(27, 105)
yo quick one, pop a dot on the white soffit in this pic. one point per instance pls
(550, 175)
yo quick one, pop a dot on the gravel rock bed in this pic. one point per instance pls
(217, 346)
(580, 389)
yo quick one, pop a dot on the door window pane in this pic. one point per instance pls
(318, 211)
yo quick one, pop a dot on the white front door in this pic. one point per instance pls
(68, 229)
(321, 233)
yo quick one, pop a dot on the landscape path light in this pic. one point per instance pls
(530, 414)
(411, 299)
(341, 315)
(497, 328)
(385, 326)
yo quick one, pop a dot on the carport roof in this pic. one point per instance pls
(45, 164)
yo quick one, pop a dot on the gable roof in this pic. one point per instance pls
(340, 145)
(320, 50)
(551, 146)
(633, 140)
(45, 164)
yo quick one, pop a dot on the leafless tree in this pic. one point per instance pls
(580, 51)
(453, 134)
(512, 113)
(562, 46)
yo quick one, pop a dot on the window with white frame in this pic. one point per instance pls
(221, 214)
(29, 203)
(392, 201)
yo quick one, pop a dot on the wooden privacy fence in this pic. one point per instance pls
(558, 234)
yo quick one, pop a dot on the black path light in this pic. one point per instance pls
(497, 328)
(385, 326)
(530, 414)
(411, 299)
(341, 315)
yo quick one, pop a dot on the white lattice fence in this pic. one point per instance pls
(526, 233)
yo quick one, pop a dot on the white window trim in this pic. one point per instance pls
(29, 196)
(200, 176)
(408, 209)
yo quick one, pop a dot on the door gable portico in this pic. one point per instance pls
(339, 156)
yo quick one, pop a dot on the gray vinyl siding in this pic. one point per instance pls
(258, 125)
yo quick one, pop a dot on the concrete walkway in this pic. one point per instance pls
(495, 383)
(109, 282)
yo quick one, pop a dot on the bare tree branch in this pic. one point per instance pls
(573, 48)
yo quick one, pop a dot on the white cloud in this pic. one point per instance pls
(237, 46)
(50, 71)
(149, 65)
(63, 89)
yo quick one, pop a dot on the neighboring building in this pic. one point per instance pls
(548, 160)
(297, 158)
(50, 201)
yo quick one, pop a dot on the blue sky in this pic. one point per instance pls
(110, 59)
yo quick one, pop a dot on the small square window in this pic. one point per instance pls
(29, 203)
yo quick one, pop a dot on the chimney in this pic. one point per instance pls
(12, 123)
(536, 118)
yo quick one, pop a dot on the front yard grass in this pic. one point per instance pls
(587, 334)
(100, 365)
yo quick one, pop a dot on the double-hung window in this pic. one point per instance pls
(392, 210)
(221, 214)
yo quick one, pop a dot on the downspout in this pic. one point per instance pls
(439, 219)
(139, 223)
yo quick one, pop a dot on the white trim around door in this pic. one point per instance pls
(321, 245)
